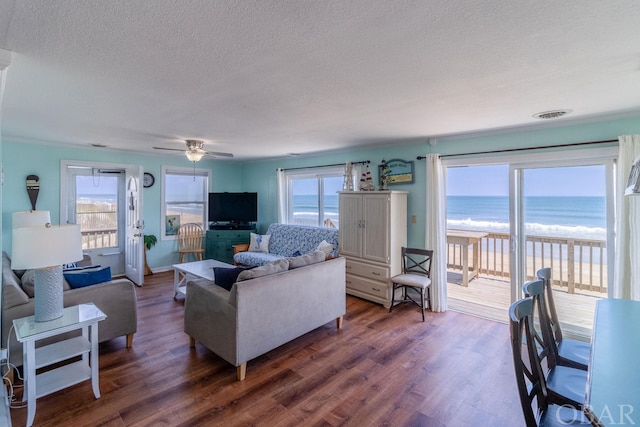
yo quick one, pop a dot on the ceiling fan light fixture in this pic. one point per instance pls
(194, 155)
(194, 150)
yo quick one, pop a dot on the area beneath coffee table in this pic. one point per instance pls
(197, 269)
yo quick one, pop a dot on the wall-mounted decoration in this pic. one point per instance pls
(398, 171)
(148, 180)
(33, 188)
(172, 225)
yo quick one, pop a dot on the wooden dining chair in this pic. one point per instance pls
(573, 353)
(565, 385)
(416, 275)
(190, 238)
(532, 387)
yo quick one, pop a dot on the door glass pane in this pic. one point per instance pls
(478, 203)
(564, 214)
(97, 210)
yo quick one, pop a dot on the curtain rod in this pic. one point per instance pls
(525, 149)
(326, 166)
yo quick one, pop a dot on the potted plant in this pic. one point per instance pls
(149, 241)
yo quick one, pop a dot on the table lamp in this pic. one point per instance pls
(31, 219)
(45, 248)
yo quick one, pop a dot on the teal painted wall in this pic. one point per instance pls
(20, 160)
(261, 176)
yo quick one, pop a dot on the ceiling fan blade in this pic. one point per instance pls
(217, 154)
(170, 149)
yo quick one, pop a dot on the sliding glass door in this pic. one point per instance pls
(539, 210)
(560, 220)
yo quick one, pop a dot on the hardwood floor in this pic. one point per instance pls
(381, 369)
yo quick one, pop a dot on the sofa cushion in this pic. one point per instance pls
(27, 282)
(79, 278)
(12, 293)
(255, 259)
(264, 270)
(259, 243)
(306, 259)
(286, 239)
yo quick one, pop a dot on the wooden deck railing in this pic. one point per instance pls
(99, 229)
(94, 239)
(577, 265)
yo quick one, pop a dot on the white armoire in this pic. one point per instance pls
(373, 228)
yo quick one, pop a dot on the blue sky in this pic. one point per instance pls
(494, 181)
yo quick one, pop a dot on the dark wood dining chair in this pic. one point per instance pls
(416, 275)
(565, 385)
(530, 378)
(573, 353)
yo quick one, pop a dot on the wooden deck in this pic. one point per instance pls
(490, 298)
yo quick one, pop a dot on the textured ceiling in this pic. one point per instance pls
(265, 78)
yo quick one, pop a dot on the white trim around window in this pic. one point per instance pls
(190, 202)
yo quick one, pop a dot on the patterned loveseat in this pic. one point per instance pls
(288, 240)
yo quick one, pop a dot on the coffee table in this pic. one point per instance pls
(198, 269)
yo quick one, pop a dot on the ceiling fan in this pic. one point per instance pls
(195, 151)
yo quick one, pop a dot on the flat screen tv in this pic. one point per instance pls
(239, 208)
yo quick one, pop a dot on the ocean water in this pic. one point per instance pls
(543, 216)
(305, 208)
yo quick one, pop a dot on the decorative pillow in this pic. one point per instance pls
(306, 259)
(27, 282)
(325, 247)
(264, 270)
(225, 277)
(81, 277)
(69, 266)
(259, 242)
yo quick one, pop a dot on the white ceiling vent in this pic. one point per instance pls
(554, 114)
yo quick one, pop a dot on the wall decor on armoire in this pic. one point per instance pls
(366, 182)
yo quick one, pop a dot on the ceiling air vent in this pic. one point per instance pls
(554, 114)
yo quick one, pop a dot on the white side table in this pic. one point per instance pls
(28, 331)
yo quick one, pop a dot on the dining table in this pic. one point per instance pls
(613, 376)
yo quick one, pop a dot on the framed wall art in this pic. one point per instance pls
(399, 171)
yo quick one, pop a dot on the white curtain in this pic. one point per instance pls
(626, 276)
(282, 195)
(436, 230)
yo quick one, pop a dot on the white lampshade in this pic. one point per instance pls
(30, 219)
(41, 247)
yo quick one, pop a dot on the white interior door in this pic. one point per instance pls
(134, 253)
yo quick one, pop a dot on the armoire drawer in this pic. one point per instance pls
(379, 289)
(374, 272)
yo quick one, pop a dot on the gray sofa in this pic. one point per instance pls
(117, 299)
(262, 313)
(286, 240)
